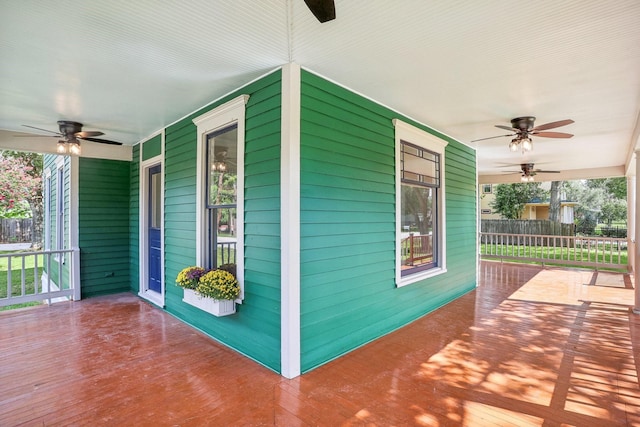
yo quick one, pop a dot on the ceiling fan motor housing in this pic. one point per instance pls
(69, 129)
(524, 124)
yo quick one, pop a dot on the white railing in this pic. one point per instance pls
(40, 276)
(598, 252)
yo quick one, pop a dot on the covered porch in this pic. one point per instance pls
(530, 346)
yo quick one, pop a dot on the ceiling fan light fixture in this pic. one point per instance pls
(527, 144)
(61, 147)
(513, 145)
(74, 147)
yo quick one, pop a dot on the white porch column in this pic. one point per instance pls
(290, 222)
(636, 234)
(631, 222)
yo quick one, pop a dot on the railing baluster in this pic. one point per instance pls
(30, 287)
(9, 278)
(23, 283)
(571, 250)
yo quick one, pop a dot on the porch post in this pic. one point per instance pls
(636, 234)
(74, 240)
(631, 222)
(290, 223)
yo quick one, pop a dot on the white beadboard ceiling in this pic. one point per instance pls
(129, 68)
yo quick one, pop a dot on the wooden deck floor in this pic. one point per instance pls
(531, 346)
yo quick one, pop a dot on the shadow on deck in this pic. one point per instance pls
(531, 346)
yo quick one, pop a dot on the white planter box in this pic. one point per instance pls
(216, 307)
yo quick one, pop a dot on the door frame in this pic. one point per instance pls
(144, 291)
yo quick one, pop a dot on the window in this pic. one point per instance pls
(420, 234)
(220, 187)
(47, 210)
(222, 197)
(486, 188)
(60, 210)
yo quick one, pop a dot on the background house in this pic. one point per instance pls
(535, 209)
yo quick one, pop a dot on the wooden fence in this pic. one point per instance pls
(16, 230)
(516, 227)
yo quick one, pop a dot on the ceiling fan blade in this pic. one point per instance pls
(85, 134)
(44, 130)
(101, 141)
(552, 134)
(506, 128)
(492, 137)
(323, 10)
(553, 125)
(33, 135)
(541, 171)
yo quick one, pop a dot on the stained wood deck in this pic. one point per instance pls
(531, 346)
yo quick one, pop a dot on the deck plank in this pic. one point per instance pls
(531, 346)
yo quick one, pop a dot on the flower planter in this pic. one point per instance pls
(216, 307)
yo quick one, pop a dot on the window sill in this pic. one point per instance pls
(408, 280)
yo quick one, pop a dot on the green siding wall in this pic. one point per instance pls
(348, 293)
(255, 329)
(134, 221)
(103, 226)
(152, 148)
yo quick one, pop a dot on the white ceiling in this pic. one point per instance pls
(129, 68)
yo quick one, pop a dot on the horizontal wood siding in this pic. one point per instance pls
(152, 148)
(134, 221)
(103, 226)
(348, 292)
(255, 329)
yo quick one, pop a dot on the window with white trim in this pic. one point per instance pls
(420, 219)
(220, 187)
(47, 210)
(222, 197)
(60, 208)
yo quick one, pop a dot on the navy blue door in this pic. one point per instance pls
(155, 223)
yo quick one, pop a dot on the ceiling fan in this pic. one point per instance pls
(70, 135)
(323, 10)
(523, 128)
(527, 172)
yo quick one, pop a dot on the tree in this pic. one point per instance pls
(603, 199)
(510, 198)
(615, 188)
(613, 210)
(554, 201)
(20, 181)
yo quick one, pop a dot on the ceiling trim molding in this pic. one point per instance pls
(570, 175)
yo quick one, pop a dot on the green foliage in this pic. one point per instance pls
(598, 200)
(510, 199)
(17, 182)
(614, 187)
(20, 210)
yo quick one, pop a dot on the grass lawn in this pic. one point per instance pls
(16, 277)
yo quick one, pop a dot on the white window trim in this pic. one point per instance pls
(47, 210)
(408, 133)
(220, 117)
(60, 224)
